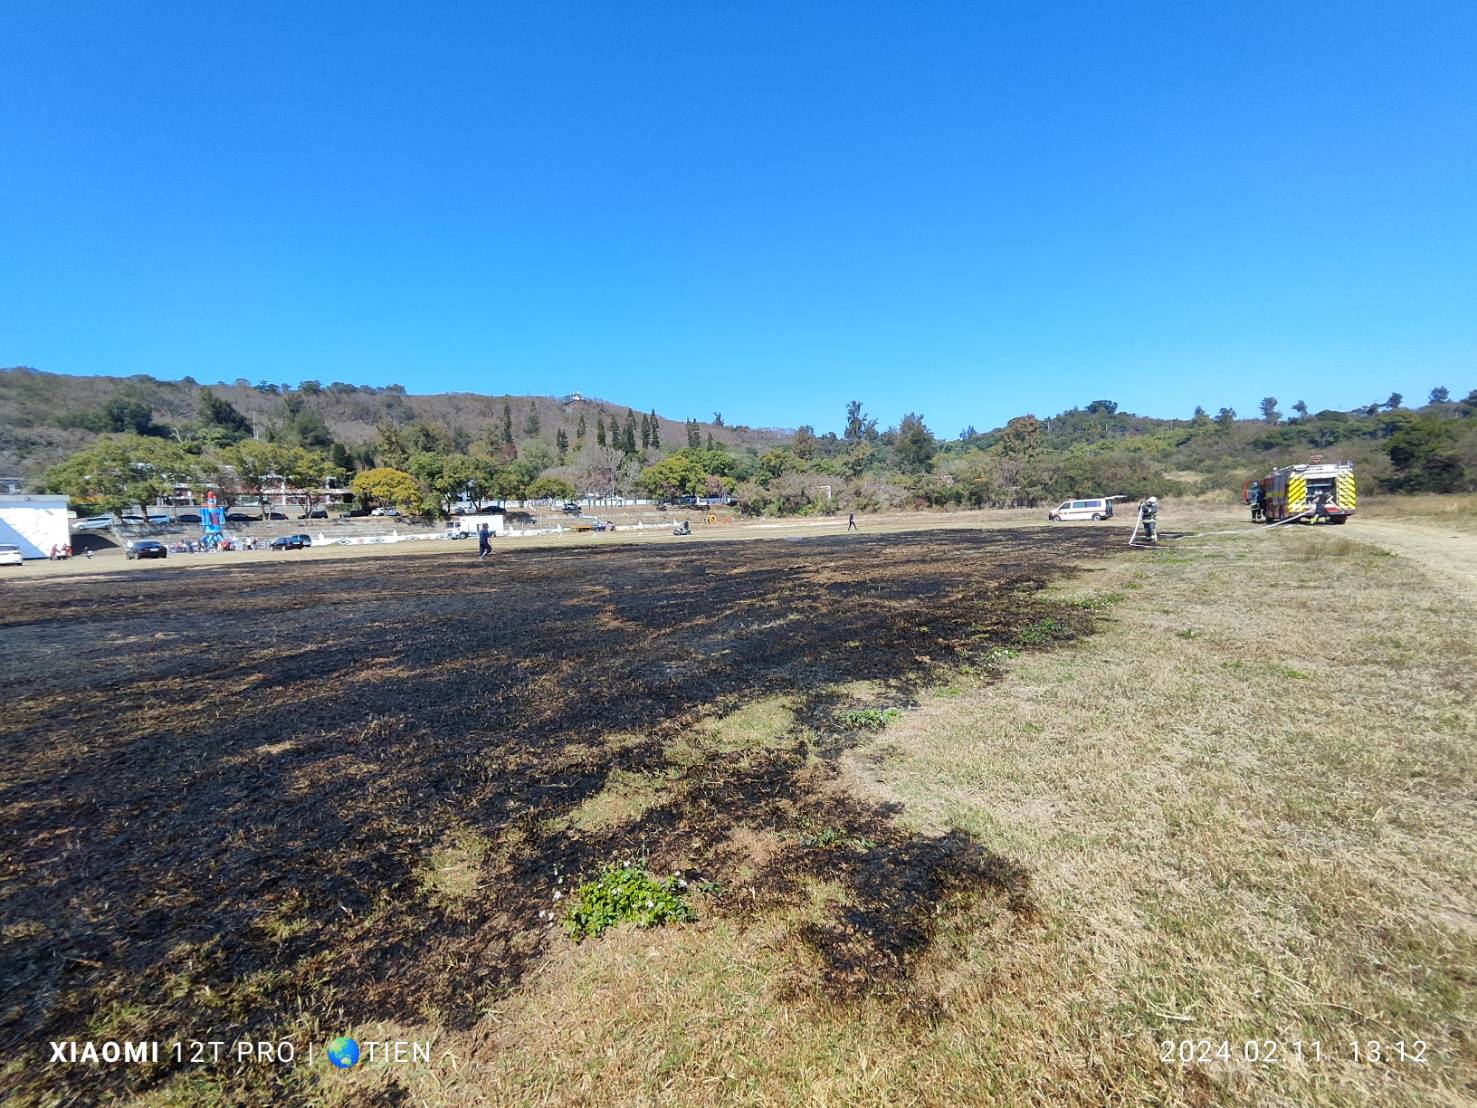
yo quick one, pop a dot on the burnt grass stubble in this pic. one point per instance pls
(221, 786)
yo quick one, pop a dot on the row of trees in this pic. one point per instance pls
(427, 468)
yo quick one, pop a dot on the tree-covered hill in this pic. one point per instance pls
(112, 441)
(44, 417)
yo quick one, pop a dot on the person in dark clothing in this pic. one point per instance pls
(484, 541)
(1254, 498)
(1320, 506)
(851, 522)
(1149, 517)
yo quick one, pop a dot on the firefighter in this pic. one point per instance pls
(1254, 497)
(1149, 517)
(1320, 506)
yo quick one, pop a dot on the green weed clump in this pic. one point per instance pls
(860, 718)
(1099, 603)
(1043, 631)
(829, 838)
(626, 893)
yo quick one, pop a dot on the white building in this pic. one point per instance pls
(34, 523)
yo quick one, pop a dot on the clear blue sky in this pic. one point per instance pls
(969, 210)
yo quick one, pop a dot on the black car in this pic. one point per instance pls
(288, 542)
(238, 517)
(146, 548)
(316, 513)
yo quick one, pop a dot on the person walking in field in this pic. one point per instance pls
(484, 542)
(851, 522)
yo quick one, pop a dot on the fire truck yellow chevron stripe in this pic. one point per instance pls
(1297, 492)
(1345, 491)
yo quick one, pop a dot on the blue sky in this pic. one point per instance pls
(968, 210)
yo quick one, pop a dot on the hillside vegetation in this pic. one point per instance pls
(44, 417)
(111, 442)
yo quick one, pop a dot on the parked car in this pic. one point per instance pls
(237, 517)
(287, 542)
(10, 555)
(316, 513)
(188, 517)
(160, 521)
(572, 508)
(1095, 508)
(146, 548)
(385, 512)
(94, 523)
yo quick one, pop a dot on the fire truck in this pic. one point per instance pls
(1294, 492)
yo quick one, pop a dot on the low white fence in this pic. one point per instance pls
(396, 536)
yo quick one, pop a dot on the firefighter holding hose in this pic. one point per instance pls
(1149, 519)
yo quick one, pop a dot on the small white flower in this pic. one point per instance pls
(682, 882)
(558, 896)
(651, 904)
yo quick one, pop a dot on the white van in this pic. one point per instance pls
(1099, 507)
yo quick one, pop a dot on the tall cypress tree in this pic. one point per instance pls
(656, 432)
(507, 423)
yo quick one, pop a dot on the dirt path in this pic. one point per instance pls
(1449, 555)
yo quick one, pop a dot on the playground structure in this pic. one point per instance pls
(212, 523)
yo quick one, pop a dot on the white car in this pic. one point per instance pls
(93, 523)
(385, 512)
(10, 555)
(1099, 507)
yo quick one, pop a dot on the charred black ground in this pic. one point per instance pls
(233, 778)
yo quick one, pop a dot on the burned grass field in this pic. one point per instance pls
(261, 801)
